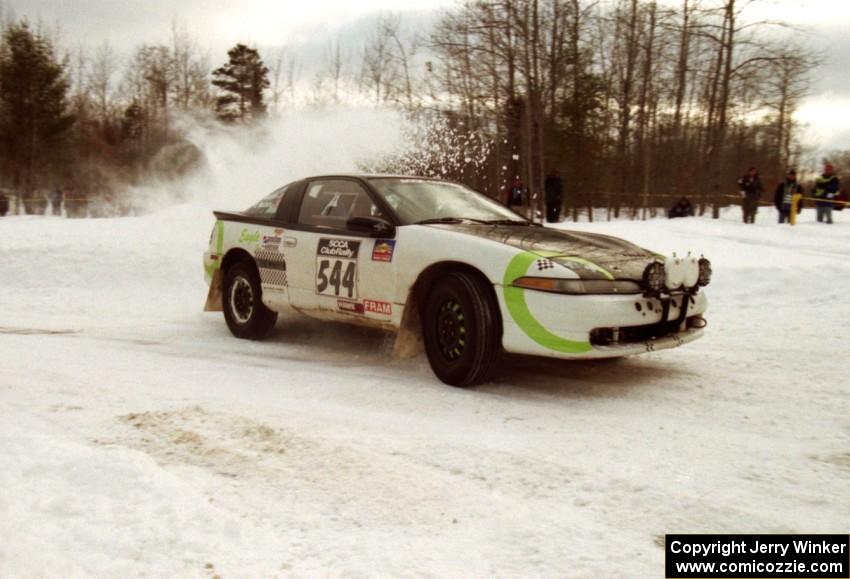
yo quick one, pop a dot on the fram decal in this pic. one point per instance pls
(383, 250)
(380, 308)
(343, 248)
(348, 306)
(249, 237)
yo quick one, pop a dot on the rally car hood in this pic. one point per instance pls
(575, 250)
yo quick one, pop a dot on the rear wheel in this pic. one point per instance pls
(246, 315)
(462, 329)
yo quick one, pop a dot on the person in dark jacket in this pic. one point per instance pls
(56, 201)
(826, 189)
(783, 196)
(751, 191)
(682, 208)
(554, 188)
(516, 193)
(4, 204)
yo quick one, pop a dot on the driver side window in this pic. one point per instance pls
(332, 203)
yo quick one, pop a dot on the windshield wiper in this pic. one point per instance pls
(474, 220)
(439, 220)
(449, 220)
(508, 222)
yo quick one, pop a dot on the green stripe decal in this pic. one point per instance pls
(219, 245)
(521, 314)
(219, 237)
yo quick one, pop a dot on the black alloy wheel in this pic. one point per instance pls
(244, 311)
(462, 329)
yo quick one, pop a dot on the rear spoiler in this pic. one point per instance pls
(245, 218)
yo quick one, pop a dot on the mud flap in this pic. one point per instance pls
(409, 342)
(214, 295)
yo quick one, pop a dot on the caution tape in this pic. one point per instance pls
(739, 198)
(769, 204)
(822, 200)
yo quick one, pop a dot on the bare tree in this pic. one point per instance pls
(379, 67)
(788, 83)
(100, 81)
(190, 74)
(283, 71)
(330, 78)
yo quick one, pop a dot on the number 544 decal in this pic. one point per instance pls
(336, 268)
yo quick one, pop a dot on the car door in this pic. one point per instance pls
(337, 272)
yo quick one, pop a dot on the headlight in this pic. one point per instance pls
(704, 271)
(691, 271)
(577, 286)
(654, 276)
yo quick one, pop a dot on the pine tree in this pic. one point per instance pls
(33, 104)
(242, 81)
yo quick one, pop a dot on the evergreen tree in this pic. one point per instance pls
(242, 81)
(33, 105)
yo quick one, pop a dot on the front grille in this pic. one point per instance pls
(626, 335)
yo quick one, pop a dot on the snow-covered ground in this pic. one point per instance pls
(137, 437)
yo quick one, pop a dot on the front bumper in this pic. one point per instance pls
(569, 326)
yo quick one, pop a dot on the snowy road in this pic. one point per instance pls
(138, 437)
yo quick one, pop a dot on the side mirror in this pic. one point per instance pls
(372, 226)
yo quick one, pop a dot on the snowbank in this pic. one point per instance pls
(137, 437)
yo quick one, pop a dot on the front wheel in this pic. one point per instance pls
(246, 315)
(462, 329)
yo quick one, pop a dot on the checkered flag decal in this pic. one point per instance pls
(544, 264)
(273, 277)
(272, 266)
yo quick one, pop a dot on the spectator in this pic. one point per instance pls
(56, 201)
(516, 193)
(554, 189)
(4, 204)
(682, 208)
(826, 189)
(76, 203)
(784, 194)
(751, 191)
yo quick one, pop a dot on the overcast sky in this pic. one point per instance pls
(219, 24)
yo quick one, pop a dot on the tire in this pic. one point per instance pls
(462, 329)
(246, 315)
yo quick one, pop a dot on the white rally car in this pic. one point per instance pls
(449, 268)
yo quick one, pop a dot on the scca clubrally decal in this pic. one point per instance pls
(342, 248)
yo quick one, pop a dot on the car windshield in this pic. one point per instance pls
(418, 200)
